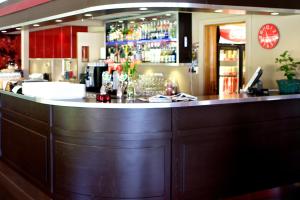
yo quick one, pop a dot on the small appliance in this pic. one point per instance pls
(93, 80)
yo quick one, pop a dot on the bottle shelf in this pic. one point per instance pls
(139, 41)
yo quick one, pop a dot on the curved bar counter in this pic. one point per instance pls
(207, 149)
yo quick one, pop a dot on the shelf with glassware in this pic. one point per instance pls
(152, 38)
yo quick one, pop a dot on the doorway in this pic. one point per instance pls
(224, 58)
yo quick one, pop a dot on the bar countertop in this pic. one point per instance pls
(90, 101)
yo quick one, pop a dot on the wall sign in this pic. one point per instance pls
(268, 36)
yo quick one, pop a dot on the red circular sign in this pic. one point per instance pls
(268, 36)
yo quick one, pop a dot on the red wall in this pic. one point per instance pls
(10, 49)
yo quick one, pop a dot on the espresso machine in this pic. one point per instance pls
(93, 80)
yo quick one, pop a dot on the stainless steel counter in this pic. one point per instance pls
(90, 101)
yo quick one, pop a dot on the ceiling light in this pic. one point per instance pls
(132, 22)
(218, 11)
(143, 18)
(58, 20)
(143, 8)
(1, 1)
(36, 25)
(19, 28)
(274, 13)
(168, 14)
(88, 15)
(3, 31)
(121, 21)
(154, 19)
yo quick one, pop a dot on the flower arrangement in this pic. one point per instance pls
(129, 67)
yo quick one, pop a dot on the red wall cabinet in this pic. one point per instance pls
(66, 42)
(40, 44)
(55, 43)
(49, 43)
(32, 46)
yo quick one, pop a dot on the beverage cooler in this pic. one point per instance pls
(230, 68)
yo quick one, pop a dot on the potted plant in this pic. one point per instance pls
(288, 66)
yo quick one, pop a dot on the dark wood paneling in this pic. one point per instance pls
(115, 153)
(113, 172)
(25, 139)
(233, 149)
(28, 108)
(119, 121)
(185, 37)
(31, 155)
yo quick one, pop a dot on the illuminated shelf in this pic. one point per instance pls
(139, 41)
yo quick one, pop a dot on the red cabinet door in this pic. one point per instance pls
(49, 43)
(66, 42)
(57, 36)
(32, 43)
(40, 44)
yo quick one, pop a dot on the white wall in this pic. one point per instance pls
(289, 27)
(95, 41)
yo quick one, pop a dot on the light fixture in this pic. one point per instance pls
(168, 14)
(18, 28)
(218, 11)
(274, 13)
(1, 1)
(36, 25)
(131, 22)
(88, 15)
(143, 18)
(154, 19)
(3, 31)
(121, 21)
(58, 20)
(143, 8)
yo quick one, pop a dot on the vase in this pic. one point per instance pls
(289, 86)
(130, 88)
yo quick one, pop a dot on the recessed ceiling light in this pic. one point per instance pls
(1, 1)
(143, 8)
(19, 28)
(3, 31)
(168, 14)
(88, 15)
(154, 19)
(143, 18)
(121, 21)
(218, 11)
(36, 25)
(274, 13)
(58, 20)
(131, 22)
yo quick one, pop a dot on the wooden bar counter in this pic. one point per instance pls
(208, 149)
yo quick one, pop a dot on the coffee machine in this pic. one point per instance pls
(93, 80)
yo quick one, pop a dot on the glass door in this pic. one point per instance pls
(229, 63)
